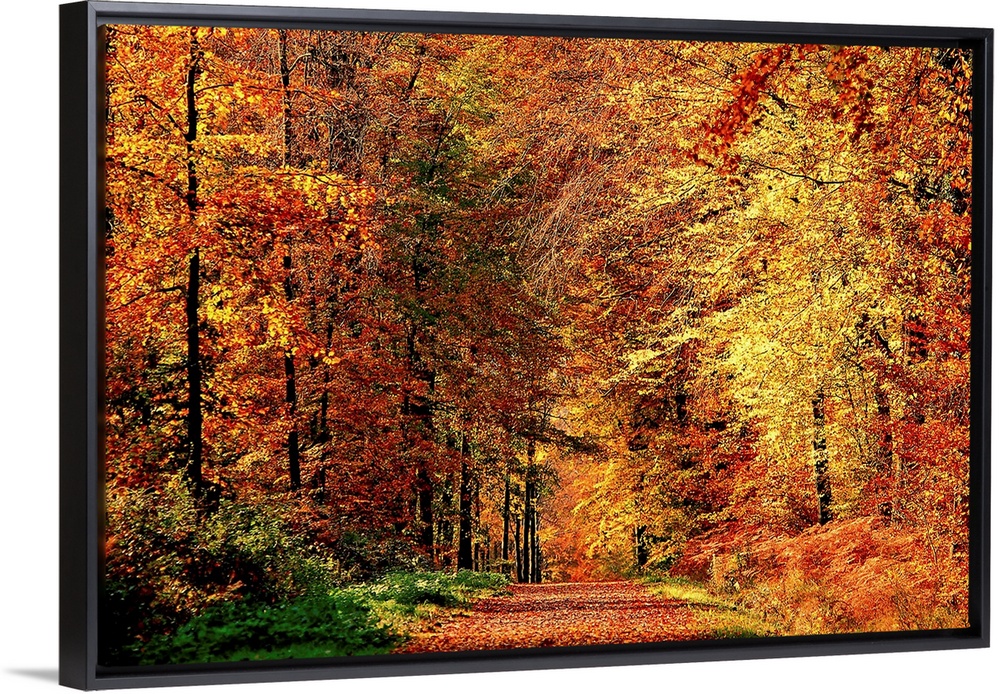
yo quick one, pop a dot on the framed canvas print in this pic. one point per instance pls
(415, 342)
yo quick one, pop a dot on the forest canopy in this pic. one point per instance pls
(562, 309)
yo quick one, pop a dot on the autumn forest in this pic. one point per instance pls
(423, 342)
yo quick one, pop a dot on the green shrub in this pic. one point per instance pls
(481, 580)
(166, 562)
(337, 624)
(255, 543)
(364, 555)
(433, 588)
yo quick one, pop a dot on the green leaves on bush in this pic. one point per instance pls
(408, 590)
(363, 555)
(167, 563)
(317, 626)
(336, 623)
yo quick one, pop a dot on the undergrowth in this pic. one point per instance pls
(333, 625)
(406, 600)
(844, 577)
(365, 619)
(714, 615)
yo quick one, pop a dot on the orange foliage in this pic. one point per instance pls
(851, 575)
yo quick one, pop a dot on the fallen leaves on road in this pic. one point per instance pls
(561, 614)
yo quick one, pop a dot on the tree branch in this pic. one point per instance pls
(816, 181)
(159, 290)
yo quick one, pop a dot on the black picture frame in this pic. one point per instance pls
(81, 329)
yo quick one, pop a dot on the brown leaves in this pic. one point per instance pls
(562, 614)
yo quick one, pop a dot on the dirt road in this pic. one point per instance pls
(561, 614)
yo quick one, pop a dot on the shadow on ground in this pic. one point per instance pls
(44, 674)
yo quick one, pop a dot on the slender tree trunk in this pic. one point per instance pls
(883, 455)
(536, 563)
(324, 398)
(882, 459)
(527, 551)
(465, 558)
(425, 500)
(531, 550)
(291, 398)
(518, 561)
(418, 412)
(194, 465)
(193, 471)
(821, 457)
(320, 483)
(294, 472)
(680, 406)
(531, 553)
(417, 425)
(477, 522)
(641, 549)
(505, 543)
(446, 531)
(286, 99)
(639, 532)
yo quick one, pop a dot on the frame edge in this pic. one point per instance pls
(79, 344)
(77, 360)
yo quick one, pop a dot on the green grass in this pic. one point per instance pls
(332, 625)
(715, 616)
(365, 619)
(408, 601)
(434, 588)
(694, 594)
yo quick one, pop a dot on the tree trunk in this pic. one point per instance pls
(418, 412)
(821, 457)
(531, 552)
(286, 101)
(324, 398)
(536, 562)
(194, 465)
(533, 565)
(518, 561)
(641, 547)
(527, 550)
(193, 471)
(917, 348)
(425, 500)
(446, 532)
(291, 398)
(505, 543)
(885, 464)
(465, 558)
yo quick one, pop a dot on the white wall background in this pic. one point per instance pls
(28, 363)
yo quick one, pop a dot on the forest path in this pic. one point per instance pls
(561, 614)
